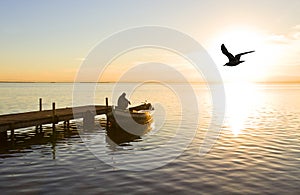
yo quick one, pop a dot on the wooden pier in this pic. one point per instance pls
(11, 122)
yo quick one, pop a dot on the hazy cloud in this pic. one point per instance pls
(79, 59)
(292, 35)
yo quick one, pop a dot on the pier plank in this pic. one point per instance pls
(34, 118)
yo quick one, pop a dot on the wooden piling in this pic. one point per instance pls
(53, 117)
(106, 104)
(67, 125)
(3, 138)
(53, 109)
(12, 134)
(89, 120)
(40, 127)
(41, 104)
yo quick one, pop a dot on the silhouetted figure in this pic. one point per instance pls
(123, 102)
(233, 60)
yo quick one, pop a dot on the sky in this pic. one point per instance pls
(47, 41)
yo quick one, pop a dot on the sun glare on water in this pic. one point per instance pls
(241, 98)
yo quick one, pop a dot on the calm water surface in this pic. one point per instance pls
(258, 150)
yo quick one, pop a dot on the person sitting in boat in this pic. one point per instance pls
(123, 102)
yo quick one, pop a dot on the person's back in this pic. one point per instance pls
(123, 102)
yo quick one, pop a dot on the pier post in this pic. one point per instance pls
(67, 125)
(41, 104)
(3, 138)
(12, 134)
(40, 127)
(53, 109)
(89, 120)
(106, 104)
(53, 117)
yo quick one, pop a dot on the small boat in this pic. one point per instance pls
(127, 125)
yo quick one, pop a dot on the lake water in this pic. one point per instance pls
(257, 151)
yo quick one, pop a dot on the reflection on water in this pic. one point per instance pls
(263, 158)
(27, 140)
(241, 98)
(118, 135)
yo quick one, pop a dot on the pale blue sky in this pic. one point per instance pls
(45, 40)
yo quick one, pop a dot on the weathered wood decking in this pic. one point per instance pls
(36, 118)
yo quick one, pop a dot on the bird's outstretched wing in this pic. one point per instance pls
(226, 53)
(238, 56)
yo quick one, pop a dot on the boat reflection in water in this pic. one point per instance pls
(129, 125)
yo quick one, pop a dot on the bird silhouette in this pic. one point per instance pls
(233, 60)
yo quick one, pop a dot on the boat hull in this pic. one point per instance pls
(127, 125)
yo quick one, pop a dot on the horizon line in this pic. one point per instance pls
(259, 82)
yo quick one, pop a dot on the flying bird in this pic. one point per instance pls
(233, 60)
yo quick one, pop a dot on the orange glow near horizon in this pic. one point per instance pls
(134, 58)
(266, 64)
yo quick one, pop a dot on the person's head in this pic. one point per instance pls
(123, 94)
